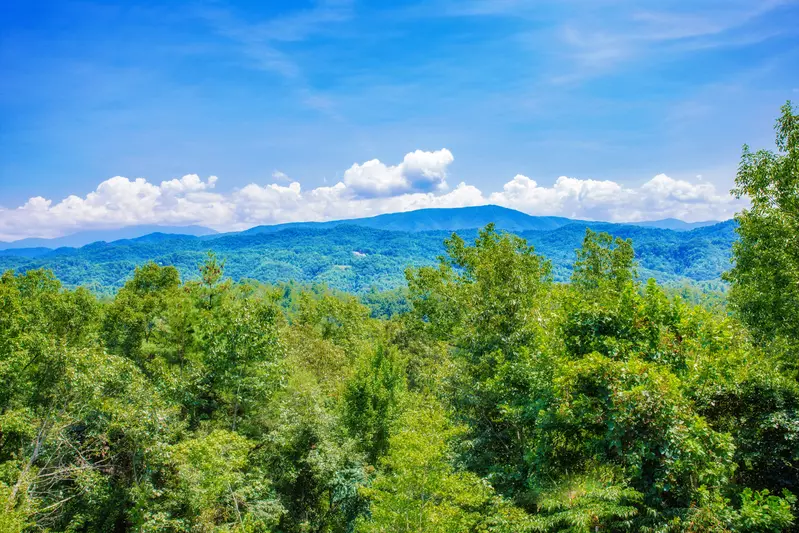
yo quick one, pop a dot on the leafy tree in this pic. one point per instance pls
(631, 414)
(243, 358)
(315, 470)
(488, 302)
(419, 489)
(604, 261)
(130, 320)
(218, 487)
(601, 312)
(372, 400)
(765, 277)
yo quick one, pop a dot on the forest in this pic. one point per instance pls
(358, 259)
(486, 396)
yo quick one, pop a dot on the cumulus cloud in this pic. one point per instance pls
(367, 189)
(660, 197)
(569, 197)
(118, 202)
(419, 172)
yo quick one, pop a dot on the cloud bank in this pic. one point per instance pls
(370, 188)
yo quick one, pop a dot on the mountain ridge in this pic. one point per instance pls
(455, 218)
(443, 218)
(82, 238)
(357, 258)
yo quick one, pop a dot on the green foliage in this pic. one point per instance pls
(484, 398)
(130, 320)
(604, 260)
(213, 483)
(586, 503)
(314, 468)
(371, 400)
(485, 302)
(242, 359)
(419, 490)
(765, 278)
(327, 256)
(556, 384)
(763, 512)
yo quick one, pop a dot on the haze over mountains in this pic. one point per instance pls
(361, 254)
(449, 219)
(83, 238)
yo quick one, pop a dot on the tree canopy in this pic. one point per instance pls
(487, 396)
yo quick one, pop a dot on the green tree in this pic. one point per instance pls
(211, 275)
(242, 356)
(602, 301)
(315, 469)
(419, 490)
(765, 277)
(220, 489)
(489, 303)
(372, 400)
(77, 423)
(132, 317)
(604, 261)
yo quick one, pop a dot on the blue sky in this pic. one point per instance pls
(600, 92)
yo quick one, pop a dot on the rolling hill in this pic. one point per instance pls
(449, 219)
(356, 257)
(459, 218)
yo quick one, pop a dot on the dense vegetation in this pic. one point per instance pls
(498, 400)
(356, 259)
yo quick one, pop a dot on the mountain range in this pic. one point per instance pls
(448, 219)
(360, 254)
(83, 238)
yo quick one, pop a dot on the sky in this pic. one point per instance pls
(230, 114)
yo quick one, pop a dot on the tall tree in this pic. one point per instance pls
(765, 278)
(489, 302)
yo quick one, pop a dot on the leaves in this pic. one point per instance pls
(485, 398)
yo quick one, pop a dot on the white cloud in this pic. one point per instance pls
(569, 197)
(277, 175)
(188, 183)
(660, 197)
(367, 189)
(118, 202)
(419, 172)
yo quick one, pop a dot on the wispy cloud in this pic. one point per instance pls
(303, 24)
(264, 43)
(600, 44)
(591, 38)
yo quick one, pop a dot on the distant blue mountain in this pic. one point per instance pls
(356, 258)
(674, 224)
(358, 254)
(25, 252)
(83, 238)
(459, 218)
(448, 219)
(441, 219)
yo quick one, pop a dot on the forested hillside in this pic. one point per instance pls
(500, 402)
(357, 258)
(492, 399)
